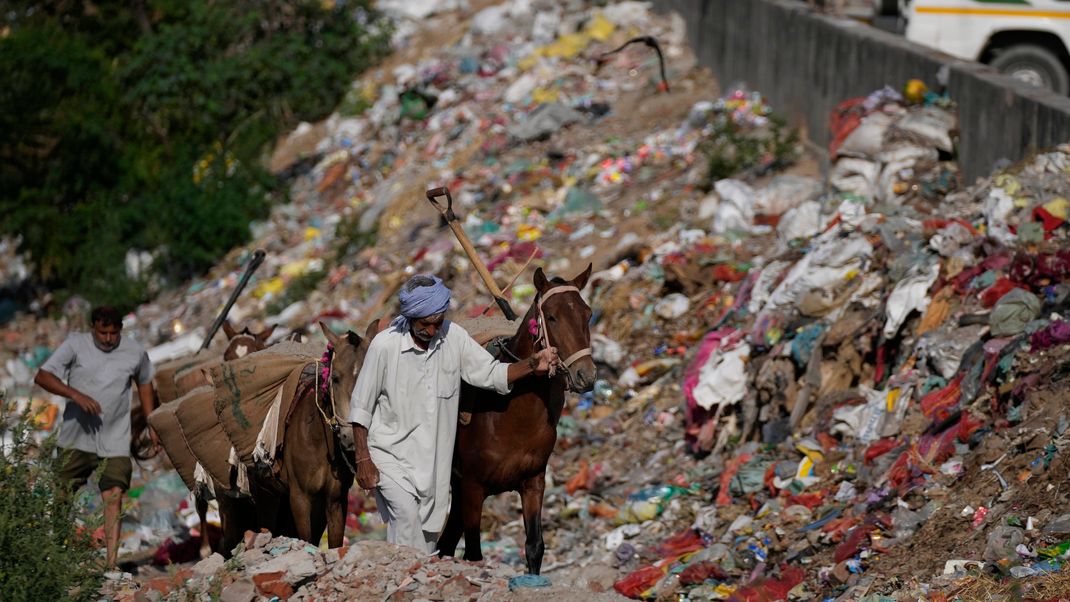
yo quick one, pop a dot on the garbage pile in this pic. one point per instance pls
(809, 387)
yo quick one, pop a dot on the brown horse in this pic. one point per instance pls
(310, 490)
(510, 438)
(241, 344)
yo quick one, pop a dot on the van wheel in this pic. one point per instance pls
(1033, 65)
(886, 8)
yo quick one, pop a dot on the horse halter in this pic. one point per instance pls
(543, 340)
(325, 387)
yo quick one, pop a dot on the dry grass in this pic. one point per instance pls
(1054, 586)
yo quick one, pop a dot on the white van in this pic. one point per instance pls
(1026, 39)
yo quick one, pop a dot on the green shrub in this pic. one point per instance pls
(734, 149)
(47, 553)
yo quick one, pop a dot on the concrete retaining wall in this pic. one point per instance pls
(806, 63)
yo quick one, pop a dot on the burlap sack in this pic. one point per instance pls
(485, 328)
(165, 423)
(203, 433)
(165, 373)
(194, 376)
(246, 388)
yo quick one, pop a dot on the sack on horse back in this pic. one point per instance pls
(193, 438)
(204, 435)
(195, 376)
(492, 333)
(164, 421)
(166, 391)
(254, 394)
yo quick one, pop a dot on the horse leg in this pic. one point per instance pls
(236, 515)
(471, 515)
(317, 517)
(451, 533)
(301, 510)
(531, 492)
(337, 507)
(202, 513)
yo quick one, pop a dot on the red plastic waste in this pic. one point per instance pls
(939, 404)
(724, 272)
(177, 552)
(878, 449)
(699, 572)
(724, 498)
(770, 589)
(995, 292)
(639, 581)
(688, 540)
(852, 545)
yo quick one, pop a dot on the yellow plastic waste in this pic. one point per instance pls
(311, 233)
(600, 28)
(528, 233)
(292, 270)
(638, 512)
(811, 451)
(893, 396)
(268, 287)
(915, 90)
(572, 44)
(566, 46)
(1008, 183)
(1058, 207)
(723, 591)
(544, 96)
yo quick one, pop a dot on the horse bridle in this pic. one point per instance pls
(543, 340)
(333, 423)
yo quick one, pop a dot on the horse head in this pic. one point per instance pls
(349, 351)
(564, 322)
(244, 342)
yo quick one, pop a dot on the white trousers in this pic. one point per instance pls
(400, 511)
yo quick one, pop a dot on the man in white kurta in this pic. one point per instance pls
(404, 409)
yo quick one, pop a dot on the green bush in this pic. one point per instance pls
(734, 149)
(47, 553)
(143, 125)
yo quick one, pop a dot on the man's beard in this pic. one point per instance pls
(104, 347)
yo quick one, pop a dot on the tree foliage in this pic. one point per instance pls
(142, 125)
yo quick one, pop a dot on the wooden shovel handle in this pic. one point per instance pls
(481, 269)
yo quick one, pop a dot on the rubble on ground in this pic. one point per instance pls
(281, 568)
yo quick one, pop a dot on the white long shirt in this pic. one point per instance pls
(408, 397)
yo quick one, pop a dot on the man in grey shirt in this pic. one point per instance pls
(94, 371)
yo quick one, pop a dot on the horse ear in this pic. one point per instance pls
(581, 280)
(540, 280)
(373, 329)
(331, 337)
(353, 338)
(229, 330)
(265, 334)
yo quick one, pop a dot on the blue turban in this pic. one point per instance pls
(421, 296)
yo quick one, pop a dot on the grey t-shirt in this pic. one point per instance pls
(106, 378)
